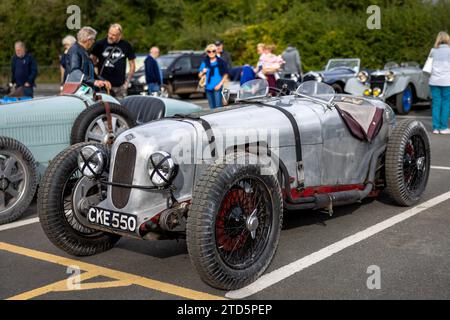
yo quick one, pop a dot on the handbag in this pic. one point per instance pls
(428, 67)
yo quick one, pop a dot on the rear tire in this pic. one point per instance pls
(91, 125)
(18, 179)
(220, 201)
(56, 209)
(408, 161)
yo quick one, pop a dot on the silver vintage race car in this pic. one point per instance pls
(399, 85)
(223, 179)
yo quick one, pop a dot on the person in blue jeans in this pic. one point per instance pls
(440, 83)
(153, 75)
(216, 72)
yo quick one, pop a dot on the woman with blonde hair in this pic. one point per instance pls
(216, 72)
(440, 83)
(67, 43)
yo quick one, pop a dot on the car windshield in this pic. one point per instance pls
(165, 61)
(410, 64)
(253, 89)
(316, 89)
(352, 64)
(391, 65)
(75, 76)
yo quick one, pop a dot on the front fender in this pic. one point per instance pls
(398, 86)
(355, 87)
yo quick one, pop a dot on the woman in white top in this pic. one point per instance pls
(440, 83)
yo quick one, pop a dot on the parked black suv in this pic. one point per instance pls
(180, 74)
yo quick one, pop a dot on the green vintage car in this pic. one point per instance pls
(33, 132)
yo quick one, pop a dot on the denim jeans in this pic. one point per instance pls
(441, 107)
(153, 87)
(214, 99)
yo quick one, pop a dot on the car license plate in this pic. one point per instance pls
(120, 221)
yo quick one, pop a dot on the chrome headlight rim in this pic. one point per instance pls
(363, 76)
(390, 77)
(157, 162)
(92, 161)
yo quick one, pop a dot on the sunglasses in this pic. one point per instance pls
(209, 51)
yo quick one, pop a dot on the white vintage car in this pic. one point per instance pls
(399, 85)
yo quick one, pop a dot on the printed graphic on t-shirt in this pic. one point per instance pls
(112, 55)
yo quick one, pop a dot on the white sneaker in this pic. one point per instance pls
(435, 131)
(446, 131)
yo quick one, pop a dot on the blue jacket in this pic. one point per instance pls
(24, 70)
(152, 71)
(79, 59)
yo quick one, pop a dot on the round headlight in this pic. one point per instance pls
(390, 76)
(92, 161)
(376, 92)
(363, 76)
(141, 79)
(161, 168)
(367, 92)
(319, 77)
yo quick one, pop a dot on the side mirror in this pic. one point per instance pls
(176, 69)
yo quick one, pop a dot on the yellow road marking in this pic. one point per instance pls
(54, 287)
(106, 272)
(100, 285)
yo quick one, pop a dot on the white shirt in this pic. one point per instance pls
(440, 75)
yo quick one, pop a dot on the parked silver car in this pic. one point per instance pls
(336, 73)
(223, 179)
(399, 85)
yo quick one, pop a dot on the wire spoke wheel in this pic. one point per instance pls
(234, 224)
(414, 164)
(243, 223)
(408, 161)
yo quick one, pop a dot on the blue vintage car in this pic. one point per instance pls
(33, 132)
(336, 73)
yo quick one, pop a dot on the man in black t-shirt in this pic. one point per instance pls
(110, 56)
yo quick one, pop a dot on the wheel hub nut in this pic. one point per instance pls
(4, 184)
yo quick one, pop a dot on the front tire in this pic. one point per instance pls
(408, 162)
(56, 208)
(18, 179)
(234, 225)
(404, 100)
(337, 88)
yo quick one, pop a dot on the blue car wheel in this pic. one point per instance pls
(405, 100)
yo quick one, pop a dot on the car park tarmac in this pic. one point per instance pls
(319, 257)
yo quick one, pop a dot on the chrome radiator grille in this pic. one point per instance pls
(377, 82)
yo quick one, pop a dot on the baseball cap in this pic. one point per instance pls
(218, 42)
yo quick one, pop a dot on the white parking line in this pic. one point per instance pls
(18, 224)
(440, 168)
(278, 275)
